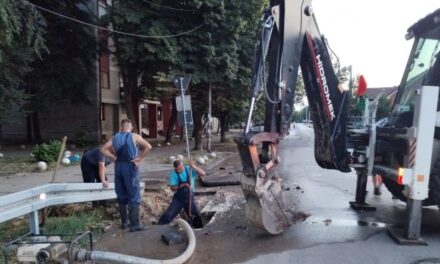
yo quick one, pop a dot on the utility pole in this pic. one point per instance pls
(209, 116)
(182, 90)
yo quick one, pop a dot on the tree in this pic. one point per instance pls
(232, 95)
(383, 108)
(67, 69)
(300, 91)
(21, 42)
(221, 56)
(141, 59)
(218, 54)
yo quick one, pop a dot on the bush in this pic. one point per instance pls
(81, 139)
(47, 152)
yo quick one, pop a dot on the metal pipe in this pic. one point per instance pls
(251, 109)
(185, 124)
(184, 118)
(51, 253)
(85, 255)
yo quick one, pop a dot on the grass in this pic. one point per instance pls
(75, 224)
(12, 165)
(12, 229)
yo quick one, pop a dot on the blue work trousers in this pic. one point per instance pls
(127, 183)
(181, 201)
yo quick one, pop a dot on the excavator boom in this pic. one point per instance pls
(290, 39)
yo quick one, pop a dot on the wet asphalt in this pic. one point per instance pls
(334, 233)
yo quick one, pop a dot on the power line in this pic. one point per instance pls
(111, 30)
(170, 8)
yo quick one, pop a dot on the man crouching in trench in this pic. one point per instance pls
(183, 197)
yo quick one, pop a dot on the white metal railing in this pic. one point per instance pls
(31, 200)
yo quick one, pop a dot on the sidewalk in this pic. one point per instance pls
(155, 167)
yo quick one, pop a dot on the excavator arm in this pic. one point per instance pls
(290, 39)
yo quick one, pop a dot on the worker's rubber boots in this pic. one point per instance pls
(123, 213)
(196, 222)
(135, 224)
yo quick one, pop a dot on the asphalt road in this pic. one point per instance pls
(334, 233)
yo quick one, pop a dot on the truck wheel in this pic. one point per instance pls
(434, 187)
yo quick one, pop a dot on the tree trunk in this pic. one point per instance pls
(36, 127)
(197, 130)
(170, 128)
(209, 117)
(29, 137)
(223, 127)
(132, 97)
(1, 133)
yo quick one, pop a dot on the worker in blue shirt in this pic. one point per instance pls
(127, 149)
(93, 167)
(180, 185)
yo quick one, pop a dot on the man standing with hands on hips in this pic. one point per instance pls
(123, 148)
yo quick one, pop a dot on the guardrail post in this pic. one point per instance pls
(34, 225)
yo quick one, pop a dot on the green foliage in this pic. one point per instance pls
(354, 110)
(78, 223)
(47, 152)
(383, 108)
(21, 41)
(300, 91)
(65, 72)
(219, 54)
(10, 230)
(81, 138)
(298, 116)
(75, 224)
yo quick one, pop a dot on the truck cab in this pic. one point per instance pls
(423, 69)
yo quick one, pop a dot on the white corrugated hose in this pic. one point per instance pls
(84, 255)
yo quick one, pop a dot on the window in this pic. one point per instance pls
(104, 67)
(104, 79)
(419, 72)
(159, 114)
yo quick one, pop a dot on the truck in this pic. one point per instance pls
(289, 41)
(404, 148)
